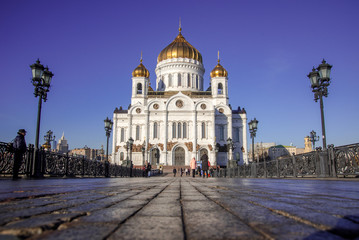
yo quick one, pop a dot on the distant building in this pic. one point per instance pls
(62, 146)
(88, 153)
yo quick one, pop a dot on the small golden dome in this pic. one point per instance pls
(141, 71)
(219, 71)
(179, 48)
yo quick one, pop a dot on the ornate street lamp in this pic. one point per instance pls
(143, 149)
(48, 139)
(230, 148)
(320, 80)
(253, 129)
(217, 150)
(130, 144)
(41, 79)
(313, 138)
(108, 129)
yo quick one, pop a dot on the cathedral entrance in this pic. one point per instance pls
(155, 157)
(179, 156)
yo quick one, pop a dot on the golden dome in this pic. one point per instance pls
(179, 48)
(141, 71)
(219, 71)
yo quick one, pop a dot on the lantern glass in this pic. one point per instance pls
(324, 70)
(130, 141)
(107, 122)
(37, 70)
(255, 123)
(47, 75)
(314, 78)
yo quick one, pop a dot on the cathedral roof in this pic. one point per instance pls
(179, 48)
(141, 70)
(218, 70)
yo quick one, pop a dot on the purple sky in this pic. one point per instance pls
(267, 47)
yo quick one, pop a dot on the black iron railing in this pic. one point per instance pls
(49, 164)
(340, 161)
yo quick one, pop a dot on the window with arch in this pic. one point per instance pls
(173, 130)
(179, 126)
(221, 132)
(203, 130)
(179, 80)
(184, 130)
(220, 88)
(155, 130)
(137, 132)
(236, 135)
(139, 88)
(169, 80)
(122, 156)
(188, 80)
(196, 81)
(122, 134)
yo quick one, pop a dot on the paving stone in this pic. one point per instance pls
(79, 231)
(167, 210)
(148, 228)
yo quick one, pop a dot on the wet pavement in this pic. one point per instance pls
(179, 208)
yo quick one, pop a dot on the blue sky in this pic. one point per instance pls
(92, 47)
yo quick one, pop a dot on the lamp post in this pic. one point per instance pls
(130, 144)
(230, 148)
(108, 128)
(253, 129)
(41, 79)
(320, 80)
(143, 149)
(314, 138)
(217, 150)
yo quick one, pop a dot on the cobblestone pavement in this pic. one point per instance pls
(179, 208)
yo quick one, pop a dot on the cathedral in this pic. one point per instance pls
(180, 119)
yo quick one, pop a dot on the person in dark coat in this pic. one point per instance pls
(149, 167)
(19, 150)
(204, 160)
(174, 172)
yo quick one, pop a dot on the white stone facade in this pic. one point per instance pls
(179, 120)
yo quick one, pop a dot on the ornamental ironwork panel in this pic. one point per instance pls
(306, 164)
(272, 170)
(347, 160)
(286, 167)
(260, 170)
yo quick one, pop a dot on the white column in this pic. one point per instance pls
(194, 134)
(114, 138)
(165, 140)
(214, 137)
(244, 138)
(147, 133)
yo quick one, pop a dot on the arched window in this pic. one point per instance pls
(139, 88)
(220, 88)
(137, 132)
(188, 80)
(179, 130)
(184, 130)
(236, 135)
(121, 156)
(169, 80)
(196, 81)
(203, 130)
(155, 130)
(221, 132)
(173, 130)
(179, 82)
(122, 134)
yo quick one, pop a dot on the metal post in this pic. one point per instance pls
(323, 123)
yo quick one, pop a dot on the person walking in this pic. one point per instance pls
(149, 167)
(193, 166)
(174, 172)
(204, 160)
(181, 172)
(19, 146)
